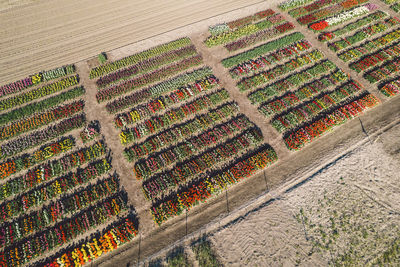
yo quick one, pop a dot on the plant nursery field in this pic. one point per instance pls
(144, 130)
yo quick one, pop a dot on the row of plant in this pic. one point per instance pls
(147, 78)
(159, 89)
(376, 58)
(184, 130)
(56, 211)
(112, 237)
(186, 171)
(332, 10)
(306, 9)
(139, 152)
(247, 29)
(263, 77)
(147, 65)
(395, 7)
(49, 89)
(307, 133)
(274, 91)
(36, 79)
(90, 132)
(343, 17)
(51, 169)
(290, 99)
(371, 45)
(172, 115)
(391, 88)
(259, 36)
(383, 72)
(377, 15)
(157, 123)
(40, 119)
(25, 161)
(55, 188)
(253, 65)
(40, 106)
(363, 34)
(215, 182)
(164, 102)
(262, 49)
(138, 57)
(63, 232)
(148, 166)
(290, 4)
(309, 109)
(37, 138)
(250, 19)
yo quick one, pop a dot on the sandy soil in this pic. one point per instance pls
(47, 34)
(350, 207)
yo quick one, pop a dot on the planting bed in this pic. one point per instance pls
(60, 200)
(301, 92)
(364, 37)
(184, 136)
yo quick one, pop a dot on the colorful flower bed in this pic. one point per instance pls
(136, 58)
(309, 109)
(155, 91)
(51, 169)
(52, 88)
(238, 32)
(56, 211)
(40, 106)
(363, 34)
(374, 59)
(283, 86)
(289, 4)
(98, 244)
(304, 10)
(391, 88)
(55, 188)
(147, 65)
(262, 49)
(337, 10)
(35, 80)
(259, 36)
(155, 162)
(155, 124)
(164, 102)
(213, 183)
(309, 132)
(247, 20)
(280, 70)
(252, 66)
(290, 99)
(25, 161)
(38, 120)
(196, 105)
(371, 45)
(184, 130)
(61, 233)
(157, 75)
(389, 69)
(187, 170)
(327, 36)
(36, 138)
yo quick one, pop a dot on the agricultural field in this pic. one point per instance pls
(111, 158)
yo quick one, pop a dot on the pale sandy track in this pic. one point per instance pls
(48, 34)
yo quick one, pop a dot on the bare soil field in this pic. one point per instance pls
(335, 201)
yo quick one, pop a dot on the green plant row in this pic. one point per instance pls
(230, 36)
(323, 37)
(289, 4)
(262, 49)
(41, 106)
(133, 59)
(39, 92)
